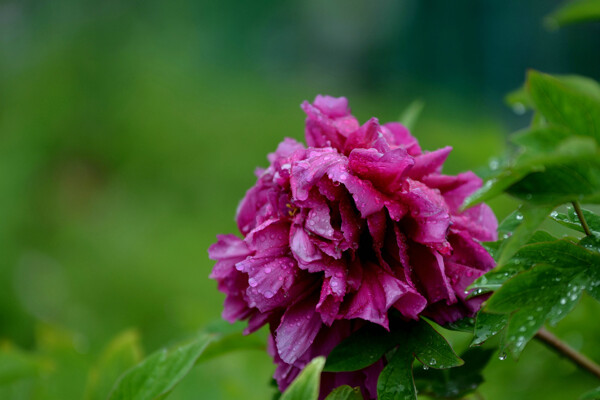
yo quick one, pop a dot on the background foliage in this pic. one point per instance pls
(129, 131)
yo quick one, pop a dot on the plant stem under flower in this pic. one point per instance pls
(584, 224)
(565, 350)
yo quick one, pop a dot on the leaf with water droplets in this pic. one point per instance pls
(416, 340)
(412, 339)
(306, 385)
(466, 324)
(547, 292)
(457, 382)
(345, 392)
(360, 350)
(488, 325)
(531, 218)
(521, 261)
(430, 347)
(396, 381)
(571, 220)
(557, 161)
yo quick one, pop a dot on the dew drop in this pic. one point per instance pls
(554, 214)
(502, 356)
(268, 294)
(252, 282)
(519, 217)
(267, 270)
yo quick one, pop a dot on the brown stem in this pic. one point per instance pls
(584, 224)
(564, 350)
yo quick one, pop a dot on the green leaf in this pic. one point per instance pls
(494, 187)
(570, 171)
(158, 374)
(519, 100)
(579, 178)
(411, 114)
(416, 340)
(564, 105)
(122, 353)
(520, 262)
(306, 385)
(540, 140)
(16, 365)
(396, 381)
(531, 217)
(462, 325)
(345, 392)
(457, 382)
(573, 12)
(591, 395)
(430, 347)
(571, 220)
(488, 325)
(546, 292)
(360, 350)
(370, 343)
(558, 160)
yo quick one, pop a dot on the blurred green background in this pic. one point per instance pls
(129, 131)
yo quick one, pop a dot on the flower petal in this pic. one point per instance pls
(298, 328)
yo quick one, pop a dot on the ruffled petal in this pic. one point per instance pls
(298, 328)
(402, 137)
(429, 217)
(377, 293)
(429, 268)
(429, 163)
(386, 171)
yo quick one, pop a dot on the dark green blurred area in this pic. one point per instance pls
(130, 131)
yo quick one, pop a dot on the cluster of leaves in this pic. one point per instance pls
(540, 278)
(121, 371)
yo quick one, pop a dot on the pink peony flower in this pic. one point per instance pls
(338, 233)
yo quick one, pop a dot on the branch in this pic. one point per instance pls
(584, 224)
(564, 350)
